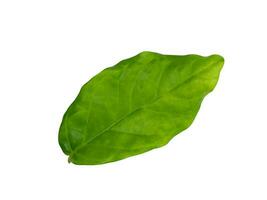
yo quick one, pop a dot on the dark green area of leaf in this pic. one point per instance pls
(137, 105)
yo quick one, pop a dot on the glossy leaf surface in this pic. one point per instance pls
(137, 105)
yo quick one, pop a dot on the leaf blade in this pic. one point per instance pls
(182, 83)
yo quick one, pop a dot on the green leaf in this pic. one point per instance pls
(137, 105)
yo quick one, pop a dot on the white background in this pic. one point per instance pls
(48, 49)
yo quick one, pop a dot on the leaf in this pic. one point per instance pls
(137, 105)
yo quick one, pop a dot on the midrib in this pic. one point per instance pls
(140, 108)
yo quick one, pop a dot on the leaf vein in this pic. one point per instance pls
(140, 108)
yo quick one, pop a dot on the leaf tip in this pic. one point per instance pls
(217, 57)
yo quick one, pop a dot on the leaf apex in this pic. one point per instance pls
(218, 57)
